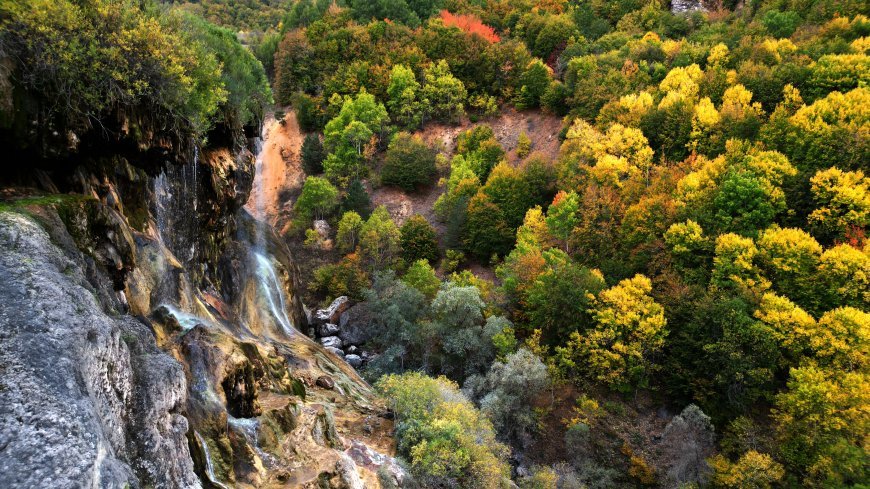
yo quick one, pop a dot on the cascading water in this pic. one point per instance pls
(176, 192)
(209, 465)
(274, 292)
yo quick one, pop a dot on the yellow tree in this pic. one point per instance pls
(843, 202)
(844, 275)
(822, 422)
(752, 470)
(630, 327)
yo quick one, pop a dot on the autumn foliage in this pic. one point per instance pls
(470, 24)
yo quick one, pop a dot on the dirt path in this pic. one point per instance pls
(279, 169)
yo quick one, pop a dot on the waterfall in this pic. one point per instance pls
(248, 427)
(176, 192)
(209, 465)
(259, 193)
(185, 320)
(273, 292)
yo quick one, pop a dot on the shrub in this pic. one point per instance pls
(312, 155)
(409, 163)
(447, 440)
(419, 240)
(343, 278)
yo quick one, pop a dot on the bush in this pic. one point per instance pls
(409, 163)
(419, 240)
(343, 278)
(312, 155)
(447, 440)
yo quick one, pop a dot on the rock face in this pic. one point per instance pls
(88, 399)
(140, 349)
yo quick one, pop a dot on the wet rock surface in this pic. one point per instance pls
(123, 363)
(88, 400)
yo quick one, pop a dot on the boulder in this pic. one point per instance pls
(354, 361)
(322, 228)
(354, 325)
(325, 381)
(331, 342)
(332, 313)
(327, 329)
(337, 351)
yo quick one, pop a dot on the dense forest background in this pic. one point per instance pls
(697, 247)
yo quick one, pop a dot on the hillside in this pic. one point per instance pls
(481, 244)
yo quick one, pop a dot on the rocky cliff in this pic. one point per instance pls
(150, 337)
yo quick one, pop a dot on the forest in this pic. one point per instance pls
(679, 297)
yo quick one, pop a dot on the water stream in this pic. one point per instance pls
(209, 465)
(274, 292)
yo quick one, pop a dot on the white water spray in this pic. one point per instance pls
(274, 293)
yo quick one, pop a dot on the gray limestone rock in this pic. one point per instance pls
(88, 399)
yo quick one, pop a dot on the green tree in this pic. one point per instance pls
(421, 276)
(403, 97)
(348, 136)
(562, 217)
(486, 230)
(408, 163)
(558, 300)
(443, 94)
(312, 155)
(380, 240)
(317, 200)
(419, 240)
(533, 84)
(356, 199)
(349, 228)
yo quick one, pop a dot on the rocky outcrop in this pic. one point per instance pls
(88, 400)
(687, 6)
(343, 329)
(150, 337)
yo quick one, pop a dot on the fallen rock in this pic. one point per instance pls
(337, 351)
(322, 228)
(331, 342)
(332, 313)
(354, 325)
(354, 361)
(327, 329)
(325, 381)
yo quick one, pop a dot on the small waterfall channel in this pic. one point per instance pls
(209, 465)
(176, 192)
